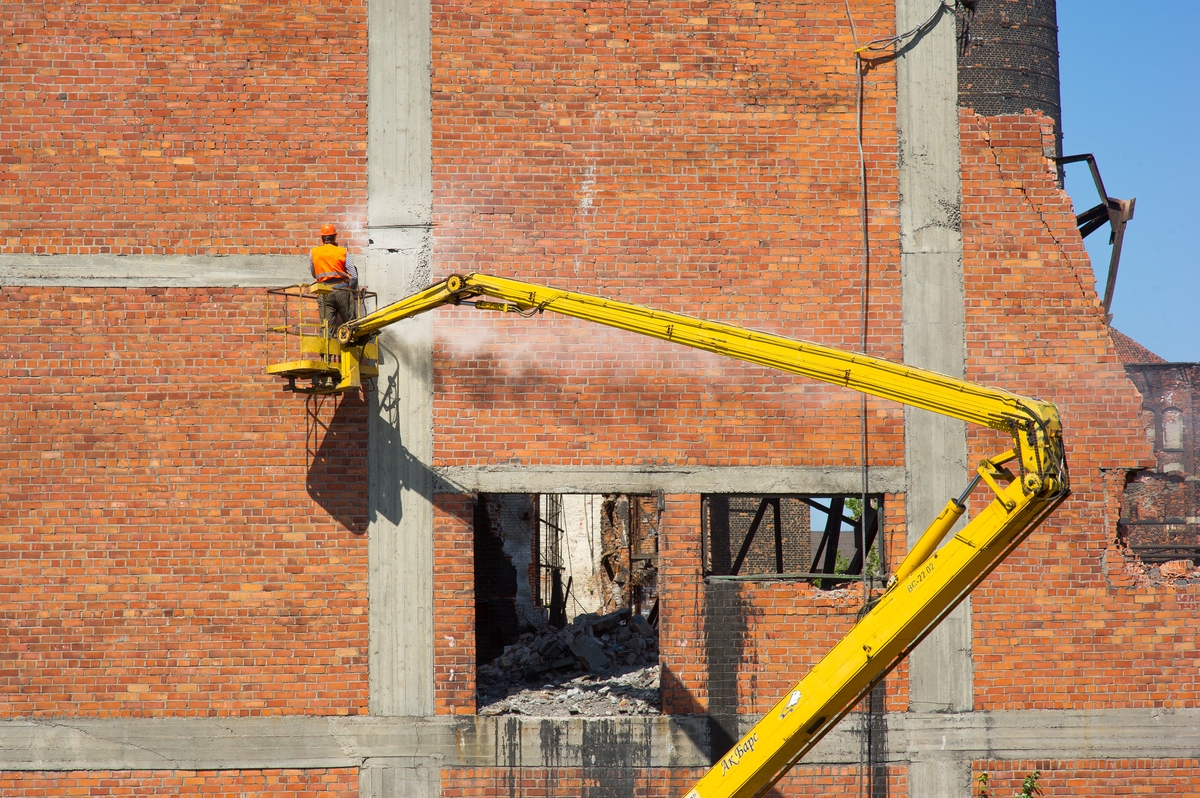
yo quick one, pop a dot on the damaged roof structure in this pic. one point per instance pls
(1160, 506)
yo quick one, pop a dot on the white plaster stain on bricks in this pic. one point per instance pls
(587, 197)
(588, 190)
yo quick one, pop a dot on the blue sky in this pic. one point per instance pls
(1130, 96)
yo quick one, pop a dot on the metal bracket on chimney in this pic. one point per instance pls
(1116, 212)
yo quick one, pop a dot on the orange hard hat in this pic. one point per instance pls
(328, 230)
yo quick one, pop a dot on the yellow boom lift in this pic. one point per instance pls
(1026, 482)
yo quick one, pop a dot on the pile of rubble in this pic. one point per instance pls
(598, 665)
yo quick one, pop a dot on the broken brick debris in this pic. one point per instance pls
(1177, 569)
(597, 665)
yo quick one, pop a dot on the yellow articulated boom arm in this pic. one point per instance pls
(930, 581)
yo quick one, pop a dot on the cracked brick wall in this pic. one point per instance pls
(1065, 622)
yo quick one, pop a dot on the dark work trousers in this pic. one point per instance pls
(339, 304)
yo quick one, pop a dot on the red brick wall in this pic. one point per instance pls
(164, 129)
(643, 782)
(317, 783)
(1096, 778)
(684, 673)
(1063, 623)
(788, 626)
(454, 604)
(170, 545)
(700, 158)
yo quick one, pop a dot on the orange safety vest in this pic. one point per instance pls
(329, 263)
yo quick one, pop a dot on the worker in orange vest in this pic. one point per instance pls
(331, 266)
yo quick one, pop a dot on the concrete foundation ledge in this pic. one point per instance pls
(46, 744)
(1046, 734)
(317, 742)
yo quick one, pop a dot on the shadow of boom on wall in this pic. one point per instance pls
(336, 442)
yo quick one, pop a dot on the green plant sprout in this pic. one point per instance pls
(1029, 787)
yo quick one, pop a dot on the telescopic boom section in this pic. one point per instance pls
(1034, 425)
(930, 581)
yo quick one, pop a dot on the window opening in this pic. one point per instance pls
(804, 537)
(553, 593)
(629, 535)
(566, 596)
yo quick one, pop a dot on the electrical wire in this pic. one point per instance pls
(894, 42)
(864, 753)
(886, 47)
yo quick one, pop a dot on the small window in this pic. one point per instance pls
(805, 537)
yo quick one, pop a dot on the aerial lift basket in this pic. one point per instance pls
(302, 349)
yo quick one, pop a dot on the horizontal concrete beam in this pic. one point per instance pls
(1046, 734)
(317, 742)
(154, 271)
(668, 479)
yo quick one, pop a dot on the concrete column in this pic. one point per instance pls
(399, 778)
(940, 669)
(400, 450)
